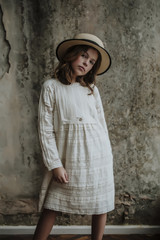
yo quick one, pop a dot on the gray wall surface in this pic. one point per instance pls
(130, 91)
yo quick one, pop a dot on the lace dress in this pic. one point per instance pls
(73, 134)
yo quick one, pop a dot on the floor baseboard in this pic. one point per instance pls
(109, 229)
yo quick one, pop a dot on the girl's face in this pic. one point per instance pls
(84, 63)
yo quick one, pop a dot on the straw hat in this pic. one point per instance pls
(90, 40)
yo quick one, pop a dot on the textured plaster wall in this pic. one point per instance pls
(29, 33)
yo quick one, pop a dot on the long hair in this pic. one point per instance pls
(64, 72)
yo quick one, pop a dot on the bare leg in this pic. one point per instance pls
(98, 225)
(45, 224)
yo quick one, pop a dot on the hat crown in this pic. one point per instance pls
(89, 37)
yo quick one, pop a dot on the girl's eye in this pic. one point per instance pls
(84, 55)
(92, 62)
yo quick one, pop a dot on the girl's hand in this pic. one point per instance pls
(60, 175)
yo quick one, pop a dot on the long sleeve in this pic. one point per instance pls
(46, 127)
(101, 118)
(100, 111)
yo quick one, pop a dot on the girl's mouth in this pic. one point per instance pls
(82, 68)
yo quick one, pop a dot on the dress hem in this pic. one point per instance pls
(78, 212)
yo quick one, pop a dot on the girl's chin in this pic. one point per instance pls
(79, 75)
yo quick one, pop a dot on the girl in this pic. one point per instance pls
(74, 138)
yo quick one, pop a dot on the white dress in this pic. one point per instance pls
(73, 134)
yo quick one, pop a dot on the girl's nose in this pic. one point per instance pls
(85, 62)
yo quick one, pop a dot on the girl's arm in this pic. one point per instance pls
(101, 116)
(100, 111)
(46, 127)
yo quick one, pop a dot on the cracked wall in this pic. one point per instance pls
(29, 33)
(5, 48)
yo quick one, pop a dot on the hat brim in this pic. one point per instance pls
(105, 57)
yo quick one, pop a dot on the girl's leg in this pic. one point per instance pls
(45, 224)
(98, 225)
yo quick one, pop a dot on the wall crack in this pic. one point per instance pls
(5, 48)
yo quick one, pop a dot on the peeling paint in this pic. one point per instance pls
(5, 48)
